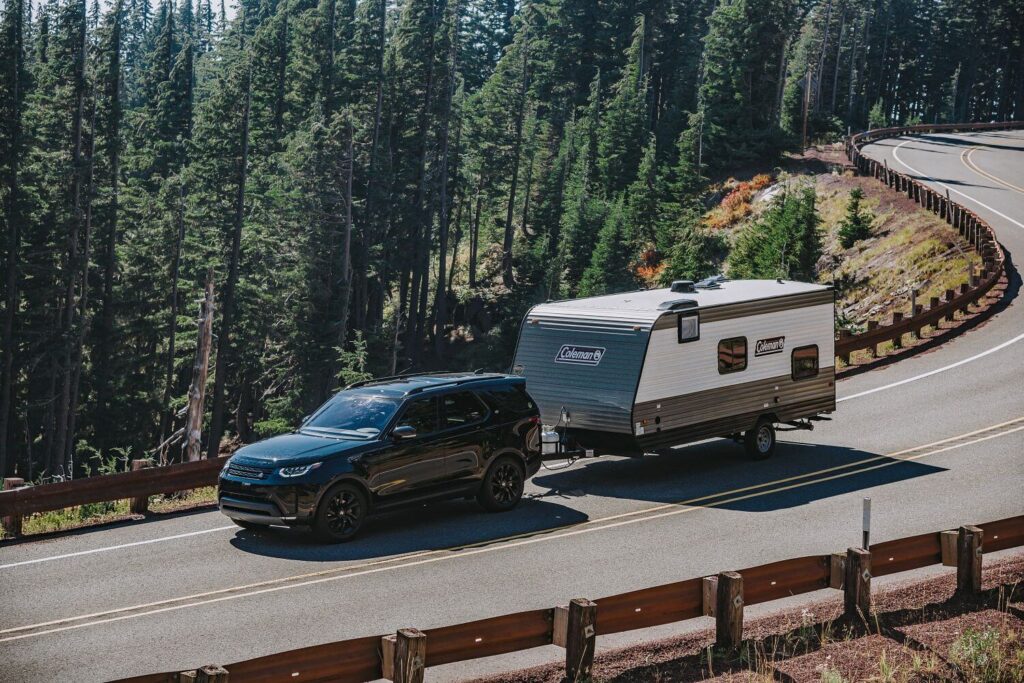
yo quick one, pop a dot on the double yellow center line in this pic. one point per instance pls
(504, 543)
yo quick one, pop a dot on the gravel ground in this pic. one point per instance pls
(915, 624)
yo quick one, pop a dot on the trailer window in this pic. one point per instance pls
(805, 362)
(732, 355)
(689, 327)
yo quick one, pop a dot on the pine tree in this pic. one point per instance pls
(624, 123)
(857, 225)
(784, 242)
(610, 268)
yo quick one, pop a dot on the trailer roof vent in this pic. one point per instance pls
(683, 287)
(713, 282)
(677, 304)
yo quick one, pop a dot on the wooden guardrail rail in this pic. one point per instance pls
(403, 656)
(973, 229)
(18, 501)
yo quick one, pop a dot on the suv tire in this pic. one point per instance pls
(502, 486)
(760, 441)
(341, 513)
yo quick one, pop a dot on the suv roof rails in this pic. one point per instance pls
(457, 382)
(393, 378)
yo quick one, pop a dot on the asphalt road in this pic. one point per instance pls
(936, 441)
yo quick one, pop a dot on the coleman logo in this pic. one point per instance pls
(580, 355)
(765, 347)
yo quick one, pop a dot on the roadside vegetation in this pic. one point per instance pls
(414, 174)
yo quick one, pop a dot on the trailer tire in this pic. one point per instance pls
(760, 441)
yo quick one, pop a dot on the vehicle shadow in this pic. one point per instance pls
(719, 474)
(447, 525)
(711, 474)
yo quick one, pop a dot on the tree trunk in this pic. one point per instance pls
(821, 57)
(172, 319)
(421, 229)
(345, 274)
(839, 53)
(506, 247)
(106, 332)
(370, 229)
(13, 225)
(197, 391)
(83, 303)
(72, 264)
(224, 350)
(440, 295)
(474, 233)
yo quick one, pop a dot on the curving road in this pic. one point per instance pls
(936, 440)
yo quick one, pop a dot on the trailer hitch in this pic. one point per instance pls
(796, 425)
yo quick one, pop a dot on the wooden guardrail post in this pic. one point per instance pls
(212, 673)
(964, 288)
(845, 334)
(12, 523)
(873, 325)
(581, 638)
(897, 340)
(140, 505)
(729, 610)
(410, 656)
(968, 559)
(857, 582)
(950, 295)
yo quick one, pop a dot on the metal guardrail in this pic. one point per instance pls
(972, 228)
(373, 657)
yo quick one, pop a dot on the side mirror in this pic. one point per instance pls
(403, 432)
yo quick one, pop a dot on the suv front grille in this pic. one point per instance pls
(247, 472)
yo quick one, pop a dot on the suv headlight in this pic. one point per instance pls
(298, 470)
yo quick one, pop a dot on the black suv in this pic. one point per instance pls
(383, 443)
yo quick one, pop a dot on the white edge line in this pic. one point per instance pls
(936, 371)
(115, 547)
(975, 357)
(478, 551)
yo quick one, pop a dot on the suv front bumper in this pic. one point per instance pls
(266, 503)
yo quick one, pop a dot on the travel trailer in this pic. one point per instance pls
(631, 373)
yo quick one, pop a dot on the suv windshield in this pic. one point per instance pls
(353, 414)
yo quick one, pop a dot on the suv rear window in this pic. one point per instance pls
(462, 408)
(510, 402)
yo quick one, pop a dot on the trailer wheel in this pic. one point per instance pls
(760, 441)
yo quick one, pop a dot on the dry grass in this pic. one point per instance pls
(910, 248)
(111, 511)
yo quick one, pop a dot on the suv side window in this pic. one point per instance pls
(422, 415)
(460, 409)
(509, 402)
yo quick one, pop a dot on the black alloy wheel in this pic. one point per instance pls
(341, 513)
(502, 487)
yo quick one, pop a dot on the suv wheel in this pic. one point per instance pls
(341, 513)
(760, 441)
(502, 487)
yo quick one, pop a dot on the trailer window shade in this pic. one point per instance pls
(732, 355)
(805, 362)
(689, 327)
